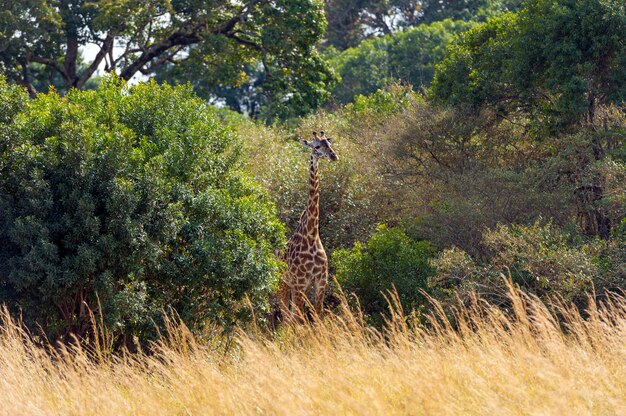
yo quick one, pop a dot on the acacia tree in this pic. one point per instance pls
(131, 37)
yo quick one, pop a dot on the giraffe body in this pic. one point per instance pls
(305, 256)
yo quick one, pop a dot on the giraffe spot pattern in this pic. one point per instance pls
(306, 259)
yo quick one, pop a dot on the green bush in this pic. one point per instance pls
(389, 259)
(128, 201)
(541, 259)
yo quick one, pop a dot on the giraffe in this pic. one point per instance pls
(307, 264)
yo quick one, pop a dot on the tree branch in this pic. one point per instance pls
(228, 26)
(161, 61)
(243, 41)
(179, 38)
(49, 62)
(107, 47)
(26, 79)
(185, 38)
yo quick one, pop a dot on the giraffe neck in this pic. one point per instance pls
(311, 225)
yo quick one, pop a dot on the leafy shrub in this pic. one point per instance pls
(389, 259)
(541, 259)
(127, 201)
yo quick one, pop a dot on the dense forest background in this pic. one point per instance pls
(478, 139)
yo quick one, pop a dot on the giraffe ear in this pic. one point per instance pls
(329, 140)
(305, 143)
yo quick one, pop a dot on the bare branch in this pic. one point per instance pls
(48, 62)
(165, 58)
(179, 38)
(245, 41)
(107, 47)
(25, 81)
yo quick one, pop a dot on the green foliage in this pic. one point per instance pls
(448, 172)
(354, 198)
(469, 10)
(417, 50)
(390, 259)
(408, 56)
(42, 39)
(12, 101)
(558, 60)
(471, 72)
(363, 69)
(132, 199)
(352, 21)
(541, 259)
(380, 106)
(285, 78)
(128, 201)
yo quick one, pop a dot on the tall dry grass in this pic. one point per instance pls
(533, 360)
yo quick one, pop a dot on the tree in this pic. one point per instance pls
(409, 56)
(556, 59)
(363, 70)
(554, 65)
(468, 10)
(128, 201)
(219, 39)
(416, 51)
(352, 21)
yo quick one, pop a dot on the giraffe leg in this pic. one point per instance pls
(298, 299)
(284, 295)
(320, 291)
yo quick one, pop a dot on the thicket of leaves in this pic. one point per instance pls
(350, 22)
(408, 56)
(235, 51)
(472, 185)
(556, 61)
(390, 260)
(128, 201)
(545, 260)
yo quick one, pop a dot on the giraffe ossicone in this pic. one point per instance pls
(307, 263)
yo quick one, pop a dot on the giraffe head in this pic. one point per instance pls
(321, 146)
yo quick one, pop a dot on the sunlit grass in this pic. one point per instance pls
(523, 362)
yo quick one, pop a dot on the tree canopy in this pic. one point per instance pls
(555, 59)
(408, 56)
(352, 21)
(221, 40)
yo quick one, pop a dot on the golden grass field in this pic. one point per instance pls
(523, 364)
